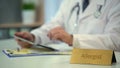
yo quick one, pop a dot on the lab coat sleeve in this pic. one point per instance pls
(110, 39)
(41, 32)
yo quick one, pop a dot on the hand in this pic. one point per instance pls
(59, 33)
(25, 35)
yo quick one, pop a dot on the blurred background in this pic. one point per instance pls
(25, 15)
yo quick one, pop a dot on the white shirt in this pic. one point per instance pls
(93, 29)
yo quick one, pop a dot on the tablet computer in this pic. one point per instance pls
(30, 42)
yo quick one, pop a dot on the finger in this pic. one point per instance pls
(24, 44)
(18, 40)
(54, 31)
(57, 29)
(26, 36)
(52, 34)
(49, 35)
(56, 37)
(20, 34)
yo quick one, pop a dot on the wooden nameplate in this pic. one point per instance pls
(92, 56)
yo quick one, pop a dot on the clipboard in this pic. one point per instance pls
(33, 52)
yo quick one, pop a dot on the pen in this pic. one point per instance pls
(47, 47)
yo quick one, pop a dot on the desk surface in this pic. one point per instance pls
(51, 61)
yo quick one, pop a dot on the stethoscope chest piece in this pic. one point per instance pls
(97, 13)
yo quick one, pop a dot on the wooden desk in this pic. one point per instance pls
(51, 61)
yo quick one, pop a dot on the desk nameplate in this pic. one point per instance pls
(92, 56)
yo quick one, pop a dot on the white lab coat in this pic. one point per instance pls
(91, 30)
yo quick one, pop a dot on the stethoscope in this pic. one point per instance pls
(77, 6)
(97, 13)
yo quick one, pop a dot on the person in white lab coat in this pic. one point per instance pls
(93, 24)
